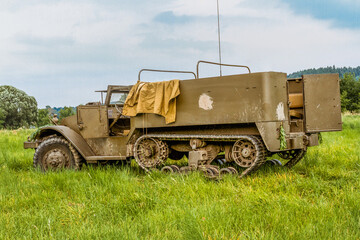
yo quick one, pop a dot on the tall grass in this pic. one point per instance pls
(317, 199)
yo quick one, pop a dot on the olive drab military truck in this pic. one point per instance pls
(242, 119)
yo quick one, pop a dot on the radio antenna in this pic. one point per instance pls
(218, 18)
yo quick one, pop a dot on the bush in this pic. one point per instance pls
(17, 109)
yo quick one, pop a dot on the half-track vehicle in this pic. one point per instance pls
(242, 119)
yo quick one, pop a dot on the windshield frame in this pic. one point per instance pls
(118, 95)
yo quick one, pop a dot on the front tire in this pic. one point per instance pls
(56, 153)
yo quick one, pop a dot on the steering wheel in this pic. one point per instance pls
(117, 108)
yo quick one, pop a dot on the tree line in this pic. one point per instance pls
(17, 109)
(330, 69)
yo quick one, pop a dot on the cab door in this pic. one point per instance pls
(322, 103)
(93, 121)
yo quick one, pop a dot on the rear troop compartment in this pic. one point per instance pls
(261, 101)
(236, 99)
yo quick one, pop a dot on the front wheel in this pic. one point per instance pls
(56, 153)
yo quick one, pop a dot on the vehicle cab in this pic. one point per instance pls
(102, 119)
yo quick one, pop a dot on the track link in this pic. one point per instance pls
(295, 158)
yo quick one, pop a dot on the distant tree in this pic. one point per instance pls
(43, 117)
(66, 112)
(18, 109)
(350, 92)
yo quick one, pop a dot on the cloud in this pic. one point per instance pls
(344, 13)
(168, 17)
(269, 35)
(62, 51)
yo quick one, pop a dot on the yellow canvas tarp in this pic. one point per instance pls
(155, 97)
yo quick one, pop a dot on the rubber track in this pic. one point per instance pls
(259, 145)
(260, 158)
(61, 140)
(292, 162)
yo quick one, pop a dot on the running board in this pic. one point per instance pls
(94, 159)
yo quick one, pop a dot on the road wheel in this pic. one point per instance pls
(167, 169)
(56, 153)
(234, 171)
(175, 168)
(225, 171)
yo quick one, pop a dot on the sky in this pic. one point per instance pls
(61, 51)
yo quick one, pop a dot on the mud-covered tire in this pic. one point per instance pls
(56, 153)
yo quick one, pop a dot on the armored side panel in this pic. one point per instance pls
(109, 146)
(322, 103)
(246, 98)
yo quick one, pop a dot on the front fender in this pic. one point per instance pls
(73, 137)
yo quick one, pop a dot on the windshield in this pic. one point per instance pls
(118, 97)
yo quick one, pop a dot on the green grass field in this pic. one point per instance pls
(317, 199)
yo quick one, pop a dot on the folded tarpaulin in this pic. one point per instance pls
(154, 97)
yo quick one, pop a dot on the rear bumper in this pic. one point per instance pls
(301, 141)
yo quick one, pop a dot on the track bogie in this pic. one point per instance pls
(248, 153)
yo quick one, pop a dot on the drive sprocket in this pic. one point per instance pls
(150, 152)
